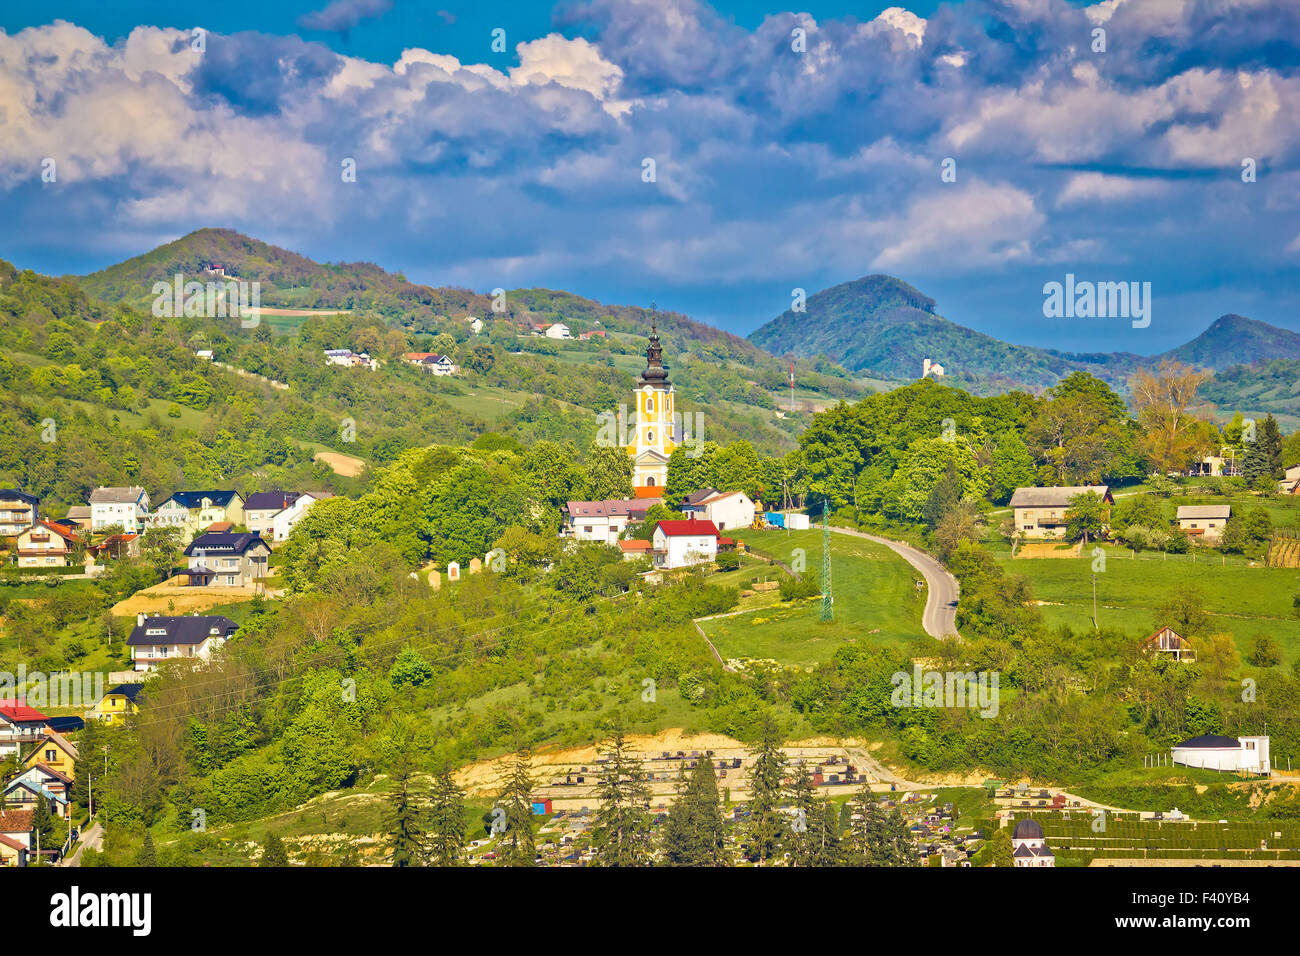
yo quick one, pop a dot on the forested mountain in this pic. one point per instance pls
(882, 326)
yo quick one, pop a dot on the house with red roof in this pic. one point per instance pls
(20, 726)
(680, 544)
(16, 838)
(45, 545)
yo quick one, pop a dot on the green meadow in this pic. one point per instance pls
(876, 602)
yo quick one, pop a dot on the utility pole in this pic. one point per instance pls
(827, 609)
(1094, 600)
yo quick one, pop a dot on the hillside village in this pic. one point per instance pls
(708, 580)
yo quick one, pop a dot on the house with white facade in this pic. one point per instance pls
(729, 510)
(432, 362)
(603, 521)
(350, 359)
(1204, 521)
(1216, 752)
(680, 544)
(158, 639)
(273, 514)
(475, 324)
(1040, 512)
(20, 726)
(127, 507)
(556, 330)
(18, 510)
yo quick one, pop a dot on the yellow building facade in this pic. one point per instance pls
(655, 437)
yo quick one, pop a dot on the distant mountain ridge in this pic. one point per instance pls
(880, 325)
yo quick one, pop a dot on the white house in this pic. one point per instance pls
(273, 514)
(157, 639)
(19, 725)
(128, 507)
(475, 324)
(432, 362)
(556, 330)
(729, 509)
(931, 368)
(679, 544)
(603, 521)
(1028, 846)
(348, 358)
(1205, 521)
(1215, 752)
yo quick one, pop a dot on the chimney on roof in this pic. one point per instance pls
(139, 619)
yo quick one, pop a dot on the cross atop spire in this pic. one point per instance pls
(656, 373)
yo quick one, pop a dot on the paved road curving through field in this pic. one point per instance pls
(940, 617)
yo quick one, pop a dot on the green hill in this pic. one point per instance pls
(882, 326)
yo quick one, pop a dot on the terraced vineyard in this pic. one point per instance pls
(1284, 550)
(1125, 837)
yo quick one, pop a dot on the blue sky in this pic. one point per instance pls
(775, 168)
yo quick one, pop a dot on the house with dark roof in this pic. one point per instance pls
(1231, 754)
(118, 701)
(432, 362)
(1029, 847)
(39, 780)
(1040, 512)
(155, 640)
(18, 510)
(194, 511)
(226, 559)
(273, 514)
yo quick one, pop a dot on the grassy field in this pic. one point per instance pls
(1242, 599)
(876, 601)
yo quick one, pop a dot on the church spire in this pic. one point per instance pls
(656, 373)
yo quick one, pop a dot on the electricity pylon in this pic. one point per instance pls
(828, 610)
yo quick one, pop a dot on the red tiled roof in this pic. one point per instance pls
(635, 544)
(11, 843)
(690, 526)
(20, 712)
(16, 821)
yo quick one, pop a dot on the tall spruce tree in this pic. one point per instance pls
(147, 855)
(83, 765)
(875, 838)
(802, 823)
(695, 833)
(517, 846)
(824, 836)
(446, 821)
(1271, 440)
(406, 818)
(767, 826)
(621, 834)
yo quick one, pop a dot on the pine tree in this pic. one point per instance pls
(273, 852)
(621, 834)
(804, 822)
(147, 856)
(446, 821)
(406, 819)
(767, 825)
(695, 834)
(1255, 463)
(1271, 440)
(824, 836)
(83, 766)
(877, 839)
(1000, 848)
(516, 801)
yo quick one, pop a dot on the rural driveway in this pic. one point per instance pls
(92, 838)
(940, 618)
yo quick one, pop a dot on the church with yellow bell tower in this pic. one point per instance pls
(655, 436)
